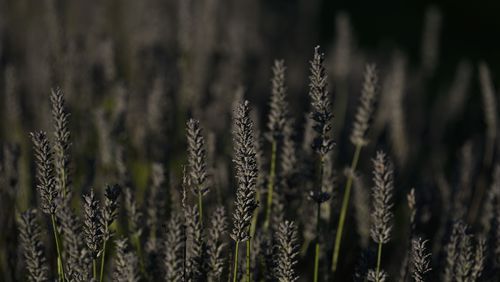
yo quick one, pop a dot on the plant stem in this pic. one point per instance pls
(102, 261)
(248, 260)
(379, 257)
(235, 269)
(270, 185)
(316, 262)
(94, 268)
(345, 205)
(60, 267)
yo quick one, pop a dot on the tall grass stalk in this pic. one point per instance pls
(379, 259)
(316, 262)
(245, 159)
(345, 206)
(103, 257)
(358, 139)
(382, 193)
(60, 265)
(108, 215)
(278, 116)
(49, 194)
(235, 267)
(322, 143)
(94, 268)
(249, 242)
(197, 162)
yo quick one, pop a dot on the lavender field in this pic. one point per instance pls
(213, 140)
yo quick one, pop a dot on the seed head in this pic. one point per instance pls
(287, 252)
(60, 118)
(46, 186)
(196, 157)
(321, 105)
(92, 224)
(366, 107)
(382, 198)
(34, 254)
(245, 160)
(420, 259)
(278, 107)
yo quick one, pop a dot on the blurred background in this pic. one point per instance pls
(112, 57)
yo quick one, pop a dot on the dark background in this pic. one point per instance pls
(470, 29)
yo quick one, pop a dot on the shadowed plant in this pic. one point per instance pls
(50, 201)
(381, 213)
(287, 252)
(216, 244)
(420, 259)
(245, 161)
(197, 162)
(277, 119)
(322, 142)
(358, 139)
(30, 234)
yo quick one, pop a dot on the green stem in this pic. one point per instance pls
(379, 258)
(101, 276)
(60, 266)
(345, 205)
(235, 269)
(270, 186)
(316, 263)
(248, 260)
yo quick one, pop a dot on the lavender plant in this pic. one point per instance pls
(216, 244)
(381, 213)
(287, 252)
(246, 174)
(108, 216)
(278, 115)
(134, 97)
(33, 249)
(420, 259)
(322, 142)
(50, 200)
(93, 228)
(197, 162)
(358, 139)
